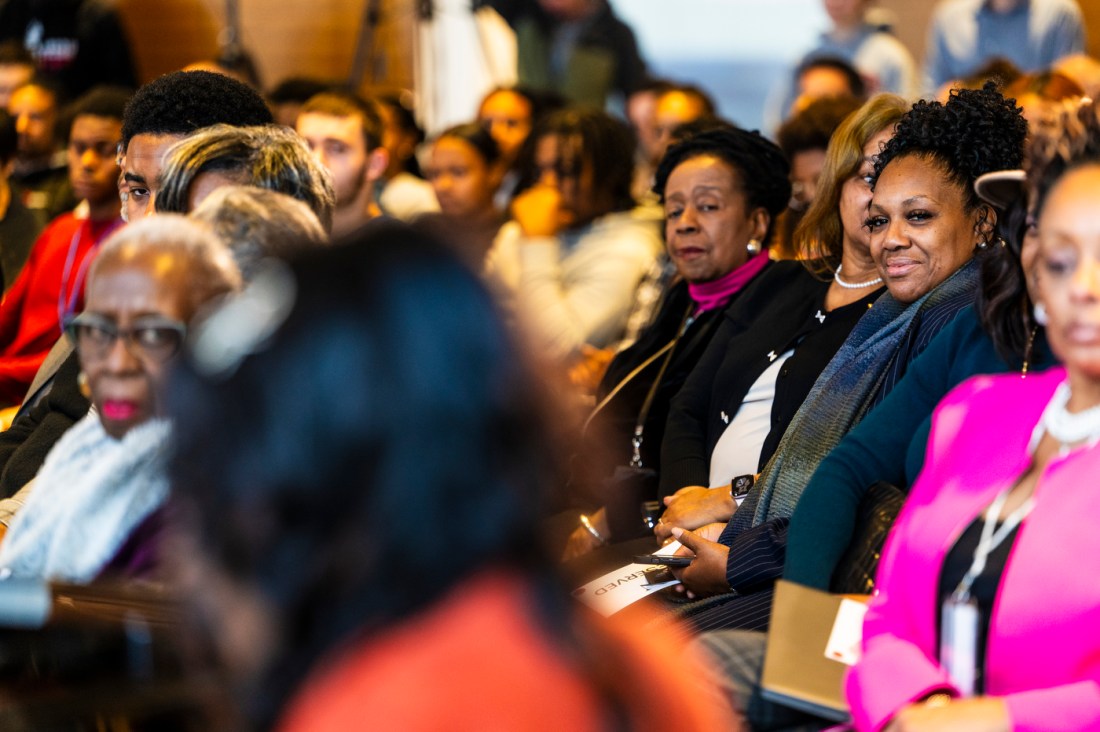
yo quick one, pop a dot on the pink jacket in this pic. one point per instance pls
(1043, 654)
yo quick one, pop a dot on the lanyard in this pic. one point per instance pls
(65, 304)
(991, 539)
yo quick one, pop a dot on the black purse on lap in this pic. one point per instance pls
(855, 573)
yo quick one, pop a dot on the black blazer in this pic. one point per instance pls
(782, 309)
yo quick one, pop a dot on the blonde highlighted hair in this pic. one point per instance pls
(819, 238)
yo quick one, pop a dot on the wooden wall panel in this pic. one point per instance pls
(286, 37)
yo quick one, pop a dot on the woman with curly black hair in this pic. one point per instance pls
(926, 223)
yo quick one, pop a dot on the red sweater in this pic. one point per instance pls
(29, 324)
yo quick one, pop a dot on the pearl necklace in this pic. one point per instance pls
(853, 285)
(1066, 427)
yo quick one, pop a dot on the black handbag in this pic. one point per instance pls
(855, 573)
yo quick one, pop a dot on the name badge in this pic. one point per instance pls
(959, 643)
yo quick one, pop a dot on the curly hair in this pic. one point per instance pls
(761, 166)
(977, 131)
(184, 101)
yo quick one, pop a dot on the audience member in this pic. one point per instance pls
(727, 421)
(933, 656)
(883, 62)
(721, 191)
(166, 110)
(803, 139)
(641, 113)
(463, 166)
(574, 254)
(16, 69)
(266, 156)
(1042, 96)
(344, 132)
(40, 176)
(18, 226)
(323, 643)
(51, 286)
(998, 335)
(159, 114)
(403, 193)
(881, 59)
(832, 544)
(95, 508)
(1032, 34)
(288, 96)
(576, 48)
(825, 77)
(677, 106)
(925, 223)
(1084, 70)
(259, 223)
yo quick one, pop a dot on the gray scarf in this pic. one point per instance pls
(839, 399)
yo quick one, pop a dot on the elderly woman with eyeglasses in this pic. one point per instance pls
(95, 506)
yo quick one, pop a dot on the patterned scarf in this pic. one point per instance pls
(839, 399)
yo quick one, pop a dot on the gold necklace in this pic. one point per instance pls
(1027, 351)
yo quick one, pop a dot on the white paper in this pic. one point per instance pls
(615, 590)
(847, 633)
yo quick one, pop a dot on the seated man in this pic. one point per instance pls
(344, 131)
(39, 175)
(18, 226)
(51, 285)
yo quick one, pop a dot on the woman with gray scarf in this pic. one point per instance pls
(925, 222)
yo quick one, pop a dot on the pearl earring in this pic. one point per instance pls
(1040, 314)
(753, 247)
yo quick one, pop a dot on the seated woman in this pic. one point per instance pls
(95, 507)
(1003, 511)
(464, 168)
(926, 221)
(575, 252)
(727, 420)
(999, 334)
(721, 190)
(344, 572)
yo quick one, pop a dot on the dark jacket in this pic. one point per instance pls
(604, 59)
(776, 312)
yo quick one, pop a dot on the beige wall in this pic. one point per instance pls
(286, 37)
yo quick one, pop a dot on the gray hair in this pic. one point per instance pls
(211, 269)
(256, 223)
(266, 156)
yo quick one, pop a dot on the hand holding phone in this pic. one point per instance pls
(667, 560)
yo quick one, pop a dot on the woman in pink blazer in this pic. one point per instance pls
(987, 615)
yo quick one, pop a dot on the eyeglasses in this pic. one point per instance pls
(153, 339)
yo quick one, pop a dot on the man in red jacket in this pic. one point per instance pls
(51, 286)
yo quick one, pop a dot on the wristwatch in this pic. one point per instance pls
(741, 485)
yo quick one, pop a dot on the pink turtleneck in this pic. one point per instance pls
(716, 293)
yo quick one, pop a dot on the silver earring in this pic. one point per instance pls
(1040, 313)
(753, 247)
(983, 245)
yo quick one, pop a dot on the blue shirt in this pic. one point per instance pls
(965, 34)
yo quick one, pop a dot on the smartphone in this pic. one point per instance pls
(668, 560)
